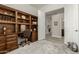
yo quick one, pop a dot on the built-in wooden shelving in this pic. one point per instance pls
(11, 21)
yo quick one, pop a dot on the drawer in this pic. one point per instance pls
(11, 39)
(11, 36)
(2, 44)
(2, 39)
(12, 45)
(2, 47)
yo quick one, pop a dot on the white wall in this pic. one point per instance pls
(41, 25)
(48, 22)
(24, 7)
(56, 29)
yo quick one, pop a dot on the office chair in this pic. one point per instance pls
(26, 35)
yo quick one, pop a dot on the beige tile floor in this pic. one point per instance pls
(47, 46)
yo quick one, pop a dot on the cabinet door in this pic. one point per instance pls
(11, 41)
(2, 47)
(2, 39)
(2, 44)
(11, 45)
(34, 36)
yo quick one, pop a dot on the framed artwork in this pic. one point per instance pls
(55, 23)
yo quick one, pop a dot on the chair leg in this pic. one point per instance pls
(27, 42)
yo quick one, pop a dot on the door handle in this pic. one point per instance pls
(76, 30)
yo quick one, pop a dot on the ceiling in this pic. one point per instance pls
(38, 6)
(61, 10)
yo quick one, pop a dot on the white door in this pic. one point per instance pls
(71, 23)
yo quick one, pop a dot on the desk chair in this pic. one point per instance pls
(26, 35)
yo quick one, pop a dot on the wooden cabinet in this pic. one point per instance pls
(8, 42)
(34, 36)
(34, 27)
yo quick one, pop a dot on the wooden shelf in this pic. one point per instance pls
(23, 19)
(34, 24)
(34, 19)
(7, 15)
(9, 22)
(23, 23)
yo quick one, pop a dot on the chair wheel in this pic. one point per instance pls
(28, 42)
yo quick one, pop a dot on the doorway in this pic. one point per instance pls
(54, 24)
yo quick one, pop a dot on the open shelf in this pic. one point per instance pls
(9, 22)
(23, 19)
(7, 15)
(24, 23)
(34, 24)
